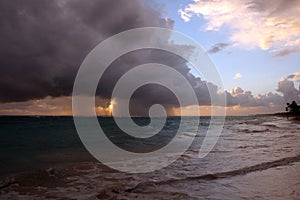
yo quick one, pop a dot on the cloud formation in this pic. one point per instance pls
(238, 96)
(273, 25)
(42, 43)
(288, 89)
(217, 48)
(238, 75)
(239, 101)
(294, 77)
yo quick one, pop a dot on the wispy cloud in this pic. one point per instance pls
(268, 25)
(185, 15)
(287, 51)
(238, 75)
(218, 47)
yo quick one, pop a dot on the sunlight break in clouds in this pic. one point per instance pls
(269, 25)
(237, 76)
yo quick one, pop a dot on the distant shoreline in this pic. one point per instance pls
(283, 114)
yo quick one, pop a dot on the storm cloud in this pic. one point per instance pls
(42, 43)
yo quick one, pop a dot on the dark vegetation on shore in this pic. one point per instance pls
(292, 111)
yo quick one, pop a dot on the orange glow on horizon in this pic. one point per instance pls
(62, 106)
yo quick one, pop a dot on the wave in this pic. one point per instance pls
(220, 175)
(60, 178)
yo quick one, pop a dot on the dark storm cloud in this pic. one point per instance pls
(42, 43)
(217, 48)
(151, 94)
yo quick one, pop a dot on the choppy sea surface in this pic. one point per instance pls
(256, 157)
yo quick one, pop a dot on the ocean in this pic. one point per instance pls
(256, 157)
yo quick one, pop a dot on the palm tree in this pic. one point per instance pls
(293, 108)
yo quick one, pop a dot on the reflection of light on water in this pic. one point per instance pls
(110, 107)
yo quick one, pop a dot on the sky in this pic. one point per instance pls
(243, 54)
(255, 45)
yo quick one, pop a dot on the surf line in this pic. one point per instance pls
(220, 175)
